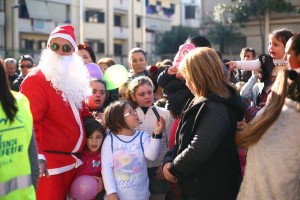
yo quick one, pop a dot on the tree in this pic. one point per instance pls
(222, 35)
(221, 30)
(169, 41)
(245, 10)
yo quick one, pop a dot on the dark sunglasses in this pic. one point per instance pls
(26, 66)
(65, 48)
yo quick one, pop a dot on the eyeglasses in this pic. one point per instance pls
(65, 48)
(130, 112)
(26, 66)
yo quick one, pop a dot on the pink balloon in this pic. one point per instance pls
(94, 71)
(84, 188)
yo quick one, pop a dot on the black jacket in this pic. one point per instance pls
(204, 158)
(17, 83)
(175, 90)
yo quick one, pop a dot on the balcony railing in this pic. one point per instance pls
(121, 5)
(34, 25)
(120, 32)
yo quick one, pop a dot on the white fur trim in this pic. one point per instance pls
(41, 157)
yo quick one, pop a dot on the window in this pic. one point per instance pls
(117, 20)
(23, 13)
(190, 12)
(42, 44)
(118, 49)
(98, 47)
(1, 5)
(94, 16)
(138, 22)
(27, 44)
(68, 14)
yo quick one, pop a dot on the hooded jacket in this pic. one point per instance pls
(204, 158)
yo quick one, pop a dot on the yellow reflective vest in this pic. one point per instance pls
(15, 171)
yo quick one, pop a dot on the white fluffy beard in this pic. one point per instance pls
(67, 75)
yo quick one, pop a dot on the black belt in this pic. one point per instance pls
(60, 152)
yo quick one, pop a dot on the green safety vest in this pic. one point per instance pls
(15, 171)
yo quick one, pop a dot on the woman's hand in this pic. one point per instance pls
(43, 168)
(159, 126)
(241, 125)
(113, 196)
(167, 173)
(100, 183)
(159, 174)
(172, 70)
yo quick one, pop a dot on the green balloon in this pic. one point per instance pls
(115, 76)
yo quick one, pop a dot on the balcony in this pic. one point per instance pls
(121, 5)
(120, 32)
(35, 26)
(194, 23)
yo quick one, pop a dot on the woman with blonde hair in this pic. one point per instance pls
(204, 159)
(272, 138)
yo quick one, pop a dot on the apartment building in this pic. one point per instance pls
(250, 33)
(111, 27)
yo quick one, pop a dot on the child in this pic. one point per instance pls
(98, 100)
(90, 156)
(270, 64)
(125, 152)
(122, 91)
(247, 53)
(140, 92)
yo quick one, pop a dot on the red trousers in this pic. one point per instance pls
(56, 186)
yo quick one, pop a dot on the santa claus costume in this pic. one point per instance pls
(56, 90)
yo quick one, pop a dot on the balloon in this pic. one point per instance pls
(115, 76)
(94, 71)
(84, 188)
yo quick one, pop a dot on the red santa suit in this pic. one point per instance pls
(57, 120)
(58, 134)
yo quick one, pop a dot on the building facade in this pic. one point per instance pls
(111, 27)
(250, 34)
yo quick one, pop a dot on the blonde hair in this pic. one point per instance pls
(106, 60)
(205, 69)
(261, 123)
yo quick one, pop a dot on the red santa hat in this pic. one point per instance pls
(65, 32)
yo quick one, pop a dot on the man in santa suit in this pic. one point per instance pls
(56, 90)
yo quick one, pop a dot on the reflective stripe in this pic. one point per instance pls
(17, 183)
